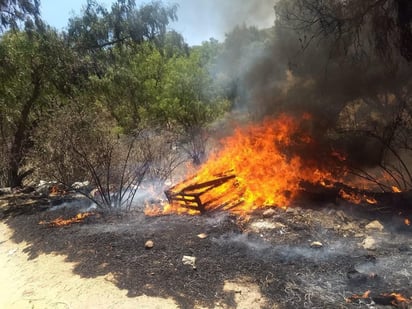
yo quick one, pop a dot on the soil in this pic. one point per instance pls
(316, 254)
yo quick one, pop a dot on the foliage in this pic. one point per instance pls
(131, 84)
(123, 24)
(119, 65)
(191, 102)
(13, 12)
(36, 68)
(79, 143)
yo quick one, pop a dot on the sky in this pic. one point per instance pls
(198, 20)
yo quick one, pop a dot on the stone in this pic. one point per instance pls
(149, 244)
(202, 235)
(189, 260)
(369, 243)
(348, 227)
(80, 185)
(316, 244)
(257, 226)
(374, 225)
(269, 213)
(6, 190)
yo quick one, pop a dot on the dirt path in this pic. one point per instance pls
(48, 282)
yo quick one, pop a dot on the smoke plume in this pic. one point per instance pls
(359, 103)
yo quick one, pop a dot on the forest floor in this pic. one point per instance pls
(315, 254)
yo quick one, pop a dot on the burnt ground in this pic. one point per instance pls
(272, 250)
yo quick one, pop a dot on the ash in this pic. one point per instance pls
(304, 257)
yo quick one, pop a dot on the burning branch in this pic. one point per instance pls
(192, 195)
(59, 222)
(394, 299)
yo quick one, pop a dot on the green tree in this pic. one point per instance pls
(14, 11)
(37, 70)
(131, 84)
(97, 27)
(191, 102)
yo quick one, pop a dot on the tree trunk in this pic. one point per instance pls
(18, 148)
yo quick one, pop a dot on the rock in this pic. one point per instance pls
(348, 227)
(342, 216)
(269, 213)
(202, 235)
(80, 185)
(43, 187)
(265, 225)
(359, 235)
(316, 244)
(293, 210)
(149, 244)
(6, 190)
(369, 243)
(374, 225)
(189, 260)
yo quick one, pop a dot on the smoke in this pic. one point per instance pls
(354, 99)
(202, 19)
(262, 249)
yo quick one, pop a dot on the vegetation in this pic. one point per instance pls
(101, 101)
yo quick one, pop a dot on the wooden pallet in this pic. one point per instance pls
(191, 195)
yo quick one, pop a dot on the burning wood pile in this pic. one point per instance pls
(266, 167)
(206, 195)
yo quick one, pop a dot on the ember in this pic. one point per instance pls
(394, 299)
(358, 296)
(57, 190)
(65, 222)
(357, 198)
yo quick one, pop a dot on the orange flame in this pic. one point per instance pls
(357, 198)
(267, 171)
(56, 190)
(395, 189)
(358, 296)
(407, 222)
(65, 222)
(397, 298)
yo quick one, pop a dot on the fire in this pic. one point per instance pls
(407, 221)
(65, 222)
(357, 198)
(267, 170)
(57, 190)
(397, 298)
(394, 298)
(395, 189)
(358, 296)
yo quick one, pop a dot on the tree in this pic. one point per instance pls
(37, 70)
(14, 11)
(131, 84)
(81, 143)
(387, 24)
(191, 102)
(98, 28)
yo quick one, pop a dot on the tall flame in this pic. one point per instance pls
(267, 170)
